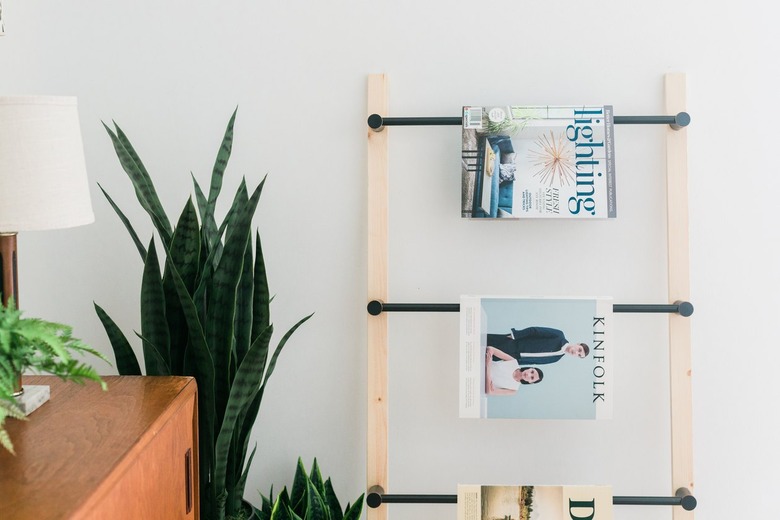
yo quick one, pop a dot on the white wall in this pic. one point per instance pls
(170, 73)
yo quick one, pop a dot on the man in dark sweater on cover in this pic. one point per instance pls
(537, 345)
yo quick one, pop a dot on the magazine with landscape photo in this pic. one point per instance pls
(535, 358)
(534, 502)
(538, 162)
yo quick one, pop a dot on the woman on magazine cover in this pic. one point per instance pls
(504, 377)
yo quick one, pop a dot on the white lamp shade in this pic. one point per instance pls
(43, 175)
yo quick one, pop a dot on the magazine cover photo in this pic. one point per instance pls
(535, 358)
(538, 162)
(534, 502)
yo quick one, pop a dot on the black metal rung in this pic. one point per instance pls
(376, 122)
(375, 307)
(683, 499)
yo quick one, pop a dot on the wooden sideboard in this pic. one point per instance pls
(128, 453)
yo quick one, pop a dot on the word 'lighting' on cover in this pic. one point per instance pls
(538, 162)
(534, 502)
(535, 358)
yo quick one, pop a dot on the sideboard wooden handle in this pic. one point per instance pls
(188, 479)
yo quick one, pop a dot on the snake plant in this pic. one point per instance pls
(43, 346)
(207, 315)
(310, 498)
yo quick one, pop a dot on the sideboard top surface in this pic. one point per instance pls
(71, 445)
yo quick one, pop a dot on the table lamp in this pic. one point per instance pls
(43, 176)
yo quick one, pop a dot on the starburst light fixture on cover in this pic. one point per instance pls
(553, 158)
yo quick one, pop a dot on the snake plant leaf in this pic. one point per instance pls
(240, 485)
(309, 502)
(267, 502)
(211, 238)
(154, 201)
(154, 326)
(254, 407)
(206, 275)
(316, 478)
(137, 241)
(213, 256)
(126, 361)
(203, 369)
(153, 358)
(270, 369)
(315, 505)
(298, 490)
(200, 198)
(185, 253)
(332, 501)
(284, 497)
(246, 427)
(220, 165)
(203, 364)
(242, 323)
(261, 313)
(243, 390)
(281, 511)
(221, 499)
(185, 246)
(354, 511)
(220, 316)
(243, 427)
(142, 183)
(246, 419)
(222, 298)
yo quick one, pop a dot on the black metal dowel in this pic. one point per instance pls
(686, 501)
(375, 307)
(374, 500)
(377, 122)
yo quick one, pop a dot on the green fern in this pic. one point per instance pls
(41, 346)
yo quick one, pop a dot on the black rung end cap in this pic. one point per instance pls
(374, 307)
(375, 121)
(681, 120)
(373, 500)
(684, 309)
(688, 502)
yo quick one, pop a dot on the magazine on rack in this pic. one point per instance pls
(538, 162)
(534, 502)
(535, 358)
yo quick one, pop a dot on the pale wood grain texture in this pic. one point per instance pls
(89, 454)
(681, 405)
(376, 456)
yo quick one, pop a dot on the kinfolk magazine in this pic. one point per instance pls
(538, 162)
(535, 358)
(534, 502)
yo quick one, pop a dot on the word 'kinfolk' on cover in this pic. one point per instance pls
(535, 358)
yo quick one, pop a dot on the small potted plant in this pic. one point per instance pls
(41, 346)
(310, 497)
